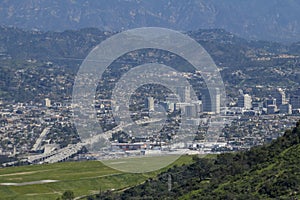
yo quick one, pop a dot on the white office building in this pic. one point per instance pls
(245, 101)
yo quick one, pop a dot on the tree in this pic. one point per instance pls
(68, 195)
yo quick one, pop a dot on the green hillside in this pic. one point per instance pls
(266, 172)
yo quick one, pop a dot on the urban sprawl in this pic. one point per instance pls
(35, 133)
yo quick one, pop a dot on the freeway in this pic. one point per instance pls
(42, 136)
(72, 149)
(107, 135)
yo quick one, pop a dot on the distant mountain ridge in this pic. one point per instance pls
(41, 45)
(273, 20)
(241, 61)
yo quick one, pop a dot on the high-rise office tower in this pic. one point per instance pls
(245, 101)
(280, 97)
(184, 93)
(47, 102)
(190, 110)
(285, 109)
(211, 100)
(150, 103)
(295, 101)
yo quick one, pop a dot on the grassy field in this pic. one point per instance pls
(83, 178)
(141, 164)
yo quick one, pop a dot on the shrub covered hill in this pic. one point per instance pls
(265, 172)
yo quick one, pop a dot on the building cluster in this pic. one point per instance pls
(182, 101)
(275, 103)
(26, 128)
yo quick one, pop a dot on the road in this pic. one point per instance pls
(72, 149)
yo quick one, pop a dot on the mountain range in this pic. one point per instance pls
(272, 20)
(25, 57)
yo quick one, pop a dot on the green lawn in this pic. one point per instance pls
(81, 177)
(141, 164)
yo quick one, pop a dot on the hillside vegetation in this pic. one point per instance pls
(264, 172)
(35, 65)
